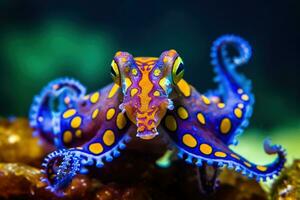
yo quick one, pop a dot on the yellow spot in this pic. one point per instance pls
(121, 121)
(67, 137)
(170, 123)
(241, 106)
(156, 93)
(240, 91)
(110, 113)
(182, 113)
(76, 122)
(128, 83)
(205, 100)
(113, 90)
(95, 97)
(184, 88)
(245, 97)
(247, 164)
(156, 72)
(238, 112)
(235, 156)
(261, 168)
(134, 71)
(95, 113)
(205, 149)
(225, 125)
(189, 140)
(96, 148)
(164, 83)
(165, 60)
(221, 105)
(109, 137)
(123, 59)
(69, 113)
(201, 118)
(78, 133)
(220, 154)
(133, 92)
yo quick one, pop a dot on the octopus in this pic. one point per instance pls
(149, 97)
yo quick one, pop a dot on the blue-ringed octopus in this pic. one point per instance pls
(149, 97)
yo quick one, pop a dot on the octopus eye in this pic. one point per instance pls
(178, 70)
(114, 71)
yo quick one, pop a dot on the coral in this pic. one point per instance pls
(17, 142)
(18, 179)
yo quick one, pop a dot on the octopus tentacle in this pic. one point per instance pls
(45, 111)
(193, 132)
(92, 127)
(108, 140)
(221, 156)
(59, 168)
(234, 89)
(90, 154)
(224, 64)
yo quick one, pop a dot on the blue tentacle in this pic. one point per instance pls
(88, 158)
(237, 162)
(232, 85)
(45, 111)
(224, 64)
(59, 168)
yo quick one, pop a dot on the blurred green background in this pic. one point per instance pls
(44, 40)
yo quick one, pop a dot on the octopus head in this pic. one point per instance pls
(147, 85)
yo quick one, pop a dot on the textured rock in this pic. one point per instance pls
(17, 143)
(287, 187)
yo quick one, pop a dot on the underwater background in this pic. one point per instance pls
(43, 40)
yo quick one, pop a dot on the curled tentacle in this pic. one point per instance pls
(59, 168)
(46, 108)
(217, 156)
(224, 64)
(234, 88)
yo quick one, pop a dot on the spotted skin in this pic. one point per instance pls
(199, 140)
(90, 117)
(94, 130)
(150, 94)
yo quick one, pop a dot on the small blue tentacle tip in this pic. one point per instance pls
(272, 149)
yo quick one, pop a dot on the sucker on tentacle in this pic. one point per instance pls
(44, 110)
(170, 104)
(240, 164)
(59, 168)
(234, 88)
(150, 97)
